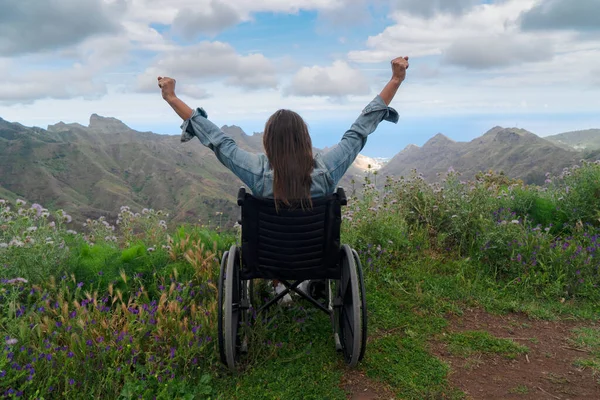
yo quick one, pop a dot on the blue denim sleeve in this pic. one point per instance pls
(249, 167)
(339, 158)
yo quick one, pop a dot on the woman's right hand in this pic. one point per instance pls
(399, 67)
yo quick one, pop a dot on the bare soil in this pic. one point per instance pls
(546, 372)
(362, 388)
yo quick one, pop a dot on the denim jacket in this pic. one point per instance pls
(255, 171)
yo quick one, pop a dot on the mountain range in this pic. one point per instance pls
(93, 170)
(516, 152)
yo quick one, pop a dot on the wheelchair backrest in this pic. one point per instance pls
(289, 243)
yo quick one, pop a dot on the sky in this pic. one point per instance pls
(532, 64)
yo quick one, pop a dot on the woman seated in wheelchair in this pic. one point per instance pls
(288, 171)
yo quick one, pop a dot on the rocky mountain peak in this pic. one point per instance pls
(107, 124)
(439, 140)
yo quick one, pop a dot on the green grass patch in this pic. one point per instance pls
(588, 338)
(473, 342)
(406, 365)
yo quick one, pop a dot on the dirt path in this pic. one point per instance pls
(547, 372)
(362, 388)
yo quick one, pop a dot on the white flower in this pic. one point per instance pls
(514, 221)
(11, 341)
(145, 211)
(16, 243)
(52, 224)
(3, 245)
(150, 249)
(21, 202)
(72, 232)
(16, 280)
(32, 229)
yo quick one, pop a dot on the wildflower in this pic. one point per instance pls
(11, 341)
(71, 381)
(72, 232)
(16, 280)
(52, 224)
(3, 245)
(20, 202)
(150, 249)
(514, 221)
(38, 209)
(16, 243)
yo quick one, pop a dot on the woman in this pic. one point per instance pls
(288, 171)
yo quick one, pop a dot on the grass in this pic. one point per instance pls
(482, 342)
(140, 305)
(588, 339)
(520, 389)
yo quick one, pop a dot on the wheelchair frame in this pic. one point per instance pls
(307, 247)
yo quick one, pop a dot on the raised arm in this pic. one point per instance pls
(245, 165)
(399, 67)
(341, 156)
(167, 86)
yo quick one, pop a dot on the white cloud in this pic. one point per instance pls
(28, 26)
(210, 60)
(417, 36)
(211, 20)
(563, 14)
(429, 8)
(337, 80)
(23, 88)
(492, 51)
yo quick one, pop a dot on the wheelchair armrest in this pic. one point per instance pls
(241, 196)
(342, 196)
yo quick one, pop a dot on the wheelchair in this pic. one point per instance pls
(292, 245)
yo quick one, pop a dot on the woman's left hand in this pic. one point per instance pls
(167, 86)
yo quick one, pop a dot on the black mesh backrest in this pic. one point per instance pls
(290, 243)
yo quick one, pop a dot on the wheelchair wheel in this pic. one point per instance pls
(220, 313)
(233, 311)
(349, 311)
(363, 299)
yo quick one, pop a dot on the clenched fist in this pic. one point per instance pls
(399, 67)
(167, 86)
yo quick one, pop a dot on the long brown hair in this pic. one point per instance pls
(289, 149)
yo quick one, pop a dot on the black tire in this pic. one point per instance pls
(363, 298)
(348, 315)
(233, 312)
(220, 305)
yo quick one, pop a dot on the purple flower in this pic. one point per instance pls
(80, 284)
(2, 374)
(172, 352)
(71, 381)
